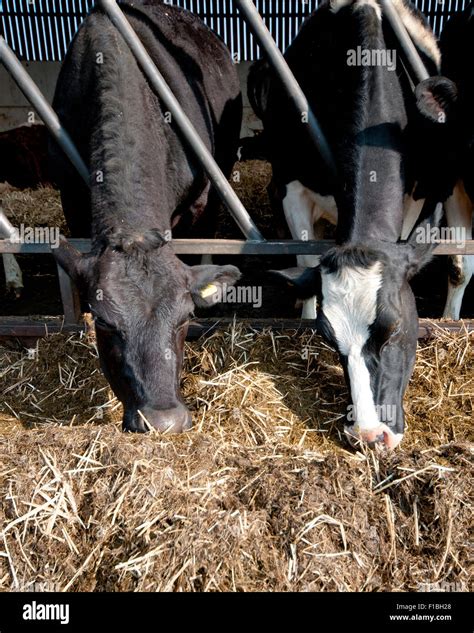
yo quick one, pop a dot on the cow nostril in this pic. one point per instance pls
(188, 421)
(174, 420)
(377, 437)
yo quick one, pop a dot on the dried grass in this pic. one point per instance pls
(250, 180)
(33, 207)
(263, 494)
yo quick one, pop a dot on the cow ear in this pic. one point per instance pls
(72, 261)
(436, 98)
(305, 282)
(418, 251)
(208, 283)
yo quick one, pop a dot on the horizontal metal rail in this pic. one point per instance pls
(235, 247)
(27, 328)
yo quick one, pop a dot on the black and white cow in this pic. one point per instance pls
(143, 182)
(346, 60)
(458, 64)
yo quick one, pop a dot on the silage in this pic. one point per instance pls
(263, 494)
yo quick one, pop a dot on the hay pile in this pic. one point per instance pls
(250, 180)
(42, 206)
(263, 494)
(33, 207)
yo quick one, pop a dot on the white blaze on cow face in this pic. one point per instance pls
(349, 302)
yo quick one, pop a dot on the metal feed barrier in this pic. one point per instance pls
(255, 244)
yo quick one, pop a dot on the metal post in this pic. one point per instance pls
(225, 191)
(70, 298)
(45, 111)
(280, 66)
(417, 66)
(7, 230)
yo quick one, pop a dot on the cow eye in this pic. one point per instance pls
(103, 325)
(183, 324)
(392, 334)
(395, 329)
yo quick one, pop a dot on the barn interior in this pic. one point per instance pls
(264, 494)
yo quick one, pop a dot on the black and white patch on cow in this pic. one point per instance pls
(367, 313)
(457, 64)
(349, 301)
(303, 209)
(459, 215)
(373, 121)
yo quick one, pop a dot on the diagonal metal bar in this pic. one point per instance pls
(44, 110)
(286, 76)
(7, 230)
(418, 73)
(186, 128)
(413, 58)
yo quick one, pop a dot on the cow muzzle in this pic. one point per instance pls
(377, 436)
(175, 420)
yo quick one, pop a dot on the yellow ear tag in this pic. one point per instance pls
(207, 291)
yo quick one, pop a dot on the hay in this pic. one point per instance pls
(263, 494)
(250, 180)
(42, 206)
(33, 207)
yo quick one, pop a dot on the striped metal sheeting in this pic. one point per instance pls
(40, 30)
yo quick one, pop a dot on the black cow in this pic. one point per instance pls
(346, 60)
(143, 182)
(458, 64)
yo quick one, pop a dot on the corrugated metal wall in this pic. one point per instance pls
(40, 30)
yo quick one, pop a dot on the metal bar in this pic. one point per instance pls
(45, 111)
(7, 229)
(70, 298)
(412, 56)
(427, 328)
(225, 191)
(283, 71)
(236, 247)
(18, 327)
(25, 327)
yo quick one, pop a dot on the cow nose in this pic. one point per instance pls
(174, 420)
(380, 435)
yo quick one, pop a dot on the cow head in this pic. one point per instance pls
(367, 313)
(142, 297)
